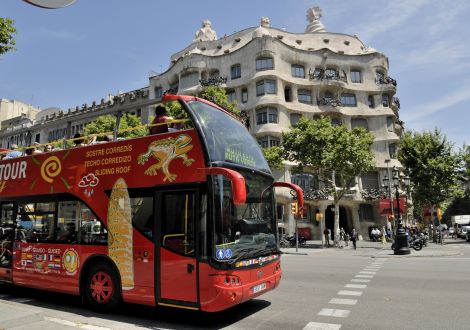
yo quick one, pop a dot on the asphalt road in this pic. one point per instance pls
(367, 288)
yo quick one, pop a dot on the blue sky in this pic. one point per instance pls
(81, 53)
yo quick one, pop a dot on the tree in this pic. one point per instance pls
(432, 165)
(274, 157)
(218, 95)
(7, 30)
(335, 154)
(104, 125)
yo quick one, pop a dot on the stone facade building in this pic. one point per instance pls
(277, 77)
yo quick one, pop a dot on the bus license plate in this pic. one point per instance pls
(259, 287)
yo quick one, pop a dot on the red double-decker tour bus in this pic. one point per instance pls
(184, 218)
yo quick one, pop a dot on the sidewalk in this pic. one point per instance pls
(377, 249)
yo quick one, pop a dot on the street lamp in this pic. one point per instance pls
(401, 241)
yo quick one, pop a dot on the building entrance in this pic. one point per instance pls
(344, 221)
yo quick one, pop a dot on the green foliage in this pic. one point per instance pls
(218, 95)
(274, 157)
(325, 149)
(432, 165)
(129, 127)
(7, 30)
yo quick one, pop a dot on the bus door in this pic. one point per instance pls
(177, 269)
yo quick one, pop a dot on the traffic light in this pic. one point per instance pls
(439, 214)
(318, 216)
(294, 208)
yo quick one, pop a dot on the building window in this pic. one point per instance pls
(288, 94)
(266, 115)
(305, 181)
(385, 100)
(390, 124)
(356, 76)
(269, 141)
(348, 100)
(366, 212)
(244, 95)
(392, 150)
(236, 71)
(370, 100)
(379, 77)
(264, 63)
(298, 71)
(304, 96)
(328, 97)
(158, 92)
(359, 122)
(370, 180)
(231, 96)
(265, 87)
(294, 119)
(336, 122)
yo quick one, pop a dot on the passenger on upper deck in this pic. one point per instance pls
(14, 153)
(161, 117)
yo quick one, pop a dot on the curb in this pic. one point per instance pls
(30, 316)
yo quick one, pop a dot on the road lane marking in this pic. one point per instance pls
(360, 280)
(349, 293)
(364, 276)
(356, 286)
(74, 324)
(334, 312)
(322, 326)
(343, 301)
(363, 272)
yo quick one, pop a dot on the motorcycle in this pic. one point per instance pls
(292, 240)
(416, 243)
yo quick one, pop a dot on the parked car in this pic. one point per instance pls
(463, 231)
(468, 236)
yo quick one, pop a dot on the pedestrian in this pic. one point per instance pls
(384, 235)
(326, 232)
(342, 237)
(354, 237)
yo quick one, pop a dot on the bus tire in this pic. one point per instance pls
(102, 290)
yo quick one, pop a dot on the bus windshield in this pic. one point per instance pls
(227, 139)
(247, 230)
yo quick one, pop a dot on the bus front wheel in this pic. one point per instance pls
(102, 291)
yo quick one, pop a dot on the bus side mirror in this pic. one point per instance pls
(237, 180)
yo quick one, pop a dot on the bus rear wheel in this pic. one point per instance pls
(102, 290)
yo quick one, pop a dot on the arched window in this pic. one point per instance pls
(370, 180)
(266, 115)
(264, 63)
(306, 181)
(236, 71)
(359, 122)
(297, 71)
(348, 100)
(304, 96)
(266, 86)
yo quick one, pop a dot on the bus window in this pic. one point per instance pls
(39, 221)
(91, 229)
(67, 222)
(248, 229)
(142, 215)
(178, 222)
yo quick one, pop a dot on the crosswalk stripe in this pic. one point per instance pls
(360, 280)
(343, 301)
(334, 312)
(363, 272)
(322, 326)
(364, 276)
(349, 293)
(356, 286)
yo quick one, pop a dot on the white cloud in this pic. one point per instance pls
(437, 105)
(57, 34)
(390, 16)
